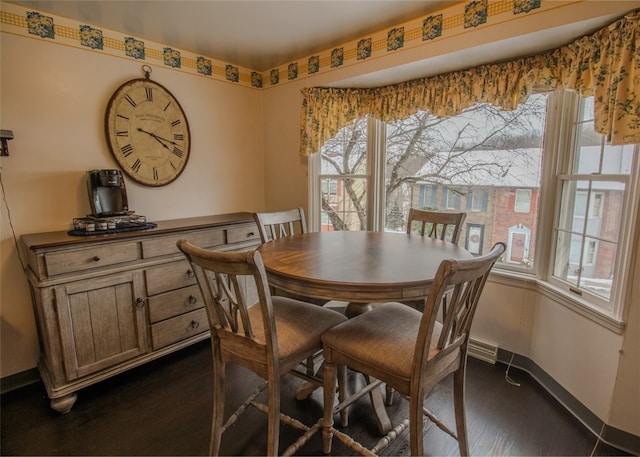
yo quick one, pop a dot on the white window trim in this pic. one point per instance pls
(313, 190)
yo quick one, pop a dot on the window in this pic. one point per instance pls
(473, 162)
(451, 199)
(477, 200)
(523, 201)
(595, 183)
(489, 163)
(427, 197)
(344, 180)
(330, 187)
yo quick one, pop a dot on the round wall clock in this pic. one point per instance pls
(147, 131)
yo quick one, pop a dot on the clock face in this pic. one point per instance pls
(147, 132)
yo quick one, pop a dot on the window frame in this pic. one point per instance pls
(559, 141)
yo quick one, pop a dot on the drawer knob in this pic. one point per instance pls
(190, 274)
(250, 234)
(140, 303)
(96, 258)
(195, 324)
(192, 300)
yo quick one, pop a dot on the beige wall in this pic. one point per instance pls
(625, 403)
(54, 98)
(245, 157)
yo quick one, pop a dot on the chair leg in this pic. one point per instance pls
(375, 395)
(329, 387)
(388, 398)
(458, 404)
(342, 394)
(309, 366)
(273, 418)
(416, 425)
(218, 403)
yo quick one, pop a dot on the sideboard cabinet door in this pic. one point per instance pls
(102, 322)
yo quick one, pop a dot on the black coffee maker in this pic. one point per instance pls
(107, 193)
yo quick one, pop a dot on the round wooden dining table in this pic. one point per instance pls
(359, 267)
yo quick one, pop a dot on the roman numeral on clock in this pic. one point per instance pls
(136, 165)
(149, 93)
(130, 100)
(126, 150)
(177, 151)
(122, 133)
(155, 173)
(178, 136)
(176, 122)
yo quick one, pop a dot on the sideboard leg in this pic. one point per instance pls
(64, 404)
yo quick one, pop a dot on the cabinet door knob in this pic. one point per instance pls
(190, 274)
(195, 324)
(140, 303)
(192, 299)
(96, 258)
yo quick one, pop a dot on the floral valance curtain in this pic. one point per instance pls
(605, 65)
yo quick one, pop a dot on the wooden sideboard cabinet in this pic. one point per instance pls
(107, 303)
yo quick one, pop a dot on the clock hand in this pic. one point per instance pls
(157, 137)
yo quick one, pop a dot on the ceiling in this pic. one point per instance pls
(257, 34)
(263, 34)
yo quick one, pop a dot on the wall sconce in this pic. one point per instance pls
(5, 136)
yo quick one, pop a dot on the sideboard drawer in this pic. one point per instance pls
(60, 262)
(168, 277)
(169, 304)
(179, 328)
(167, 244)
(239, 234)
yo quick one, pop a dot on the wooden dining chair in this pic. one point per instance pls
(278, 224)
(410, 352)
(268, 335)
(442, 225)
(446, 226)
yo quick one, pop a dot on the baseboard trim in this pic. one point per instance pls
(610, 435)
(18, 380)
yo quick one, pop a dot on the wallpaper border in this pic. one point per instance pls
(461, 18)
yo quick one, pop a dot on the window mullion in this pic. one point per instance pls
(376, 139)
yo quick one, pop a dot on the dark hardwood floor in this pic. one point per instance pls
(164, 408)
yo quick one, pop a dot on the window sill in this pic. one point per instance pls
(515, 279)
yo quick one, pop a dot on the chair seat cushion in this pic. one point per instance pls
(299, 326)
(380, 342)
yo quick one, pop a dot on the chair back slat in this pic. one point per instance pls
(440, 225)
(223, 278)
(280, 224)
(463, 281)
